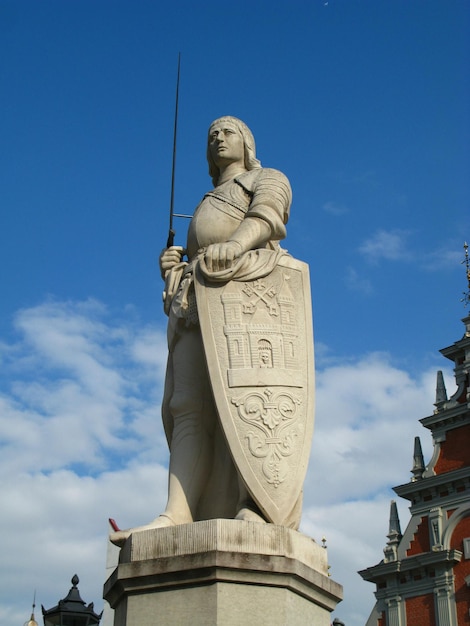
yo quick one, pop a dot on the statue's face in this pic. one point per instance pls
(226, 144)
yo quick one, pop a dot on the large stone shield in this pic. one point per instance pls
(258, 340)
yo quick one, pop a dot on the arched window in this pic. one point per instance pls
(265, 353)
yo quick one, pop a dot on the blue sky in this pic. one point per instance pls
(363, 104)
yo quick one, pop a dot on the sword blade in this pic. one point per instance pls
(171, 232)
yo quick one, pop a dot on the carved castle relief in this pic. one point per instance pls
(261, 331)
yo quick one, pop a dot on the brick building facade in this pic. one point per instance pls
(424, 578)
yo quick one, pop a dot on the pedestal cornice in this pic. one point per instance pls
(226, 552)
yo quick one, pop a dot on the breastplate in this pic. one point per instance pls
(217, 216)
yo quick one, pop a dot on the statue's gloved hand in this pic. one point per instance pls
(220, 256)
(170, 257)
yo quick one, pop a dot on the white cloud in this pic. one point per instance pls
(358, 283)
(82, 441)
(389, 245)
(367, 418)
(78, 386)
(444, 257)
(56, 525)
(335, 208)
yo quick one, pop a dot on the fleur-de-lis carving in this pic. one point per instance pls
(274, 415)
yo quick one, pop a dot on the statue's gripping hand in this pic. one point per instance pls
(220, 256)
(170, 257)
(252, 233)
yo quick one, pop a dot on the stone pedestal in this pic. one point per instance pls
(221, 572)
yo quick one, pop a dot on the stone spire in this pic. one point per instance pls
(418, 461)
(441, 392)
(394, 534)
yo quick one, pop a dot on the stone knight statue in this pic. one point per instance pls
(238, 401)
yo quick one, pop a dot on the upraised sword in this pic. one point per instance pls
(171, 232)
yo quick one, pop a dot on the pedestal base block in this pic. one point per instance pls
(221, 573)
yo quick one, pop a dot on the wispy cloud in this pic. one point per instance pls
(335, 208)
(390, 245)
(356, 282)
(444, 257)
(366, 178)
(82, 440)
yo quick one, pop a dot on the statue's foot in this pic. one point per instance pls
(119, 537)
(248, 515)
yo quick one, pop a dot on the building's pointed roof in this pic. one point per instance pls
(72, 605)
(394, 534)
(418, 461)
(394, 530)
(441, 391)
(32, 620)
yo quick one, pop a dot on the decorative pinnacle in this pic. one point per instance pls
(394, 535)
(441, 392)
(394, 530)
(32, 620)
(466, 294)
(418, 461)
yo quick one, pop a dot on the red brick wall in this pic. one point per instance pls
(461, 570)
(454, 452)
(420, 611)
(382, 621)
(420, 542)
